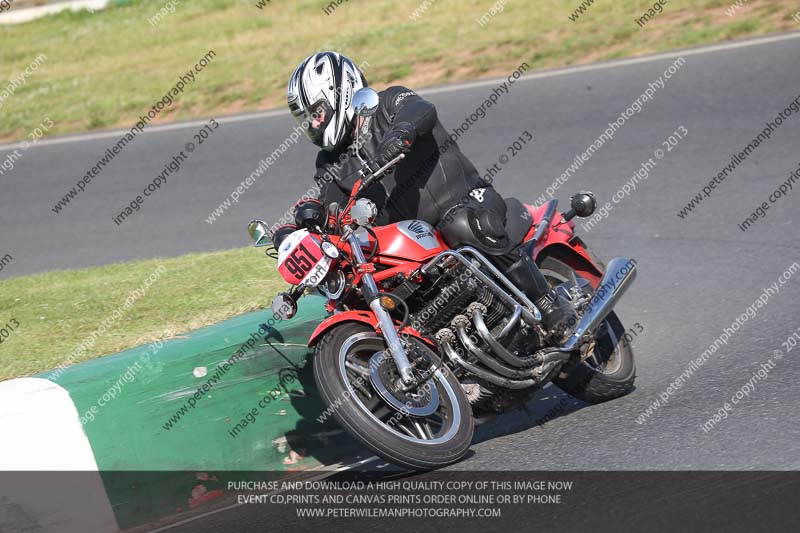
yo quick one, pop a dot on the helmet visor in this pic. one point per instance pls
(314, 120)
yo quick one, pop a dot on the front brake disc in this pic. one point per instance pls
(420, 401)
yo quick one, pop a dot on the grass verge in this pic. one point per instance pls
(105, 69)
(57, 311)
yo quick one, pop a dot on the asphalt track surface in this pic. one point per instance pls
(696, 275)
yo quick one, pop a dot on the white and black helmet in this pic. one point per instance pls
(322, 86)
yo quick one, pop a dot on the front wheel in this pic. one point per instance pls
(424, 428)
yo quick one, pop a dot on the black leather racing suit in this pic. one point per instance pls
(431, 179)
(435, 183)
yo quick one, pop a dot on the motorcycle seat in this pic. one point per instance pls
(518, 220)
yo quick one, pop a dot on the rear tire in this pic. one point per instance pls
(349, 404)
(610, 371)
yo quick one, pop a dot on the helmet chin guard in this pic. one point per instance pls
(320, 97)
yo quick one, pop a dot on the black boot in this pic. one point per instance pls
(558, 315)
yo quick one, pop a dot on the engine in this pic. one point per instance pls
(481, 333)
(450, 296)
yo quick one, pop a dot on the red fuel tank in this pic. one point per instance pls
(410, 239)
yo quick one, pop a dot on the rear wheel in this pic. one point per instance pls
(609, 371)
(424, 428)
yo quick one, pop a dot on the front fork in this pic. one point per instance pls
(371, 294)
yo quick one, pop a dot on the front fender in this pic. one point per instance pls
(364, 317)
(348, 316)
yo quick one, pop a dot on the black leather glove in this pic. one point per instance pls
(397, 140)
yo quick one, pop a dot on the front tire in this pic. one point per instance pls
(342, 373)
(610, 371)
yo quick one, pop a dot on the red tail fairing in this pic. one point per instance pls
(561, 242)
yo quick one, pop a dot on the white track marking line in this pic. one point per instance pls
(434, 90)
(148, 129)
(618, 63)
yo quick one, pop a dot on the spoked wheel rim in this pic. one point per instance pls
(609, 358)
(606, 356)
(354, 368)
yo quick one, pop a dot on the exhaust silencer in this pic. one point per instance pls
(618, 277)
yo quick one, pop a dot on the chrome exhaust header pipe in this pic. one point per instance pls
(485, 374)
(618, 277)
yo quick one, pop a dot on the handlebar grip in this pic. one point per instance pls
(378, 174)
(390, 164)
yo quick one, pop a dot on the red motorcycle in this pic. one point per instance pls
(423, 341)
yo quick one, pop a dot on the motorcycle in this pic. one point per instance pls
(423, 342)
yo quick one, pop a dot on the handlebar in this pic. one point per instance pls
(378, 174)
(363, 184)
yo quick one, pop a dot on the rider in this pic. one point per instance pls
(435, 182)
